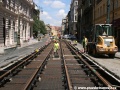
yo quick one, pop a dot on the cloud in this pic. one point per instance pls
(57, 4)
(61, 13)
(48, 2)
(45, 15)
(53, 10)
(54, 3)
(49, 20)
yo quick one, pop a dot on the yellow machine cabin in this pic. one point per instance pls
(103, 41)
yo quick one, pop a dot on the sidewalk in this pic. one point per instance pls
(14, 54)
(109, 64)
(30, 42)
(13, 47)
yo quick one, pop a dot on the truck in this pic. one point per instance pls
(102, 41)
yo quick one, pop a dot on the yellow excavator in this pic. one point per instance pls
(103, 41)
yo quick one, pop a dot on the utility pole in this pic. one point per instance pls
(113, 17)
(108, 11)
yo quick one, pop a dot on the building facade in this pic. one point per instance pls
(48, 28)
(55, 30)
(36, 12)
(73, 15)
(63, 26)
(85, 18)
(101, 16)
(79, 21)
(16, 22)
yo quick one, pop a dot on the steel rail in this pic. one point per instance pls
(91, 68)
(9, 71)
(29, 57)
(37, 70)
(66, 70)
(68, 77)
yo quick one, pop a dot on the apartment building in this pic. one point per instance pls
(55, 30)
(85, 18)
(48, 28)
(79, 21)
(16, 22)
(73, 16)
(63, 26)
(101, 13)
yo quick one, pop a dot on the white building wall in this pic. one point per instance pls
(1, 33)
(11, 11)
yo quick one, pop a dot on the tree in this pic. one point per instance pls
(43, 29)
(38, 26)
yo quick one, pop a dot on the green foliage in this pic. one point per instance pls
(38, 26)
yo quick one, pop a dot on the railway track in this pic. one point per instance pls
(23, 74)
(52, 76)
(88, 74)
(70, 71)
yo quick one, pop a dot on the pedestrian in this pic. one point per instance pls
(56, 47)
(84, 43)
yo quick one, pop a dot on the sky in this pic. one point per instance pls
(53, 11)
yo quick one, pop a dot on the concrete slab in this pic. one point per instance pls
(112, 65)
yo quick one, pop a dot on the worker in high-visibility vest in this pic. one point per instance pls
(56, 47)
(75, 42)
(84, 43)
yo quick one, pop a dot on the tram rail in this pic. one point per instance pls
(70, 71)
(23, 74)
(94, 72)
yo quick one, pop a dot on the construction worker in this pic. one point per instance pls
(84, 43)
(56, 47)
(75, 42)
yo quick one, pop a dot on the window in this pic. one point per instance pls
(13, 25)
(75, 11)
(75, 17)
(95, 14)
(98, 1)
(20, 6)
(9, 24)
(111, 6)
(9, 2)
(76, 3)
(90, 2)
(116, 3)
(98, 13)
(104, 9)
(100, 10)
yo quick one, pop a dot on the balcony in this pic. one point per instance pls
(30, 2)
(31, 20)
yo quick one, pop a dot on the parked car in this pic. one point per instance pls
(66, 36)
(72, 37)
(52, 37)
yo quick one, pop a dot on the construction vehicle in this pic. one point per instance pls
(103, 41)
